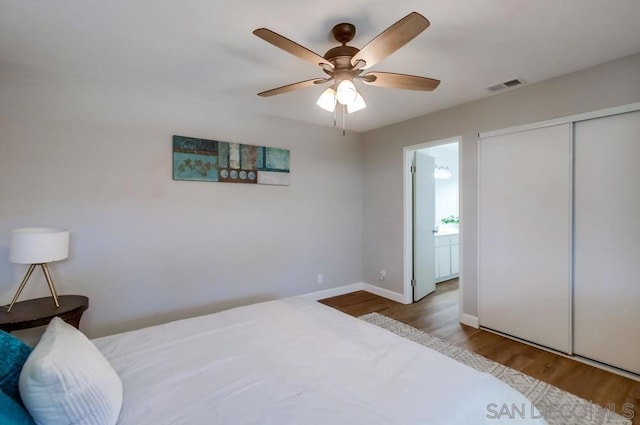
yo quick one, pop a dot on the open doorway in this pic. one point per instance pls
(432, 216)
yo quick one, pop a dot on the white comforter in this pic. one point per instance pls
(296, 362)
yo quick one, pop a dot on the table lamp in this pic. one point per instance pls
(38, 246)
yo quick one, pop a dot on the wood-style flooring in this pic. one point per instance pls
(437, 314)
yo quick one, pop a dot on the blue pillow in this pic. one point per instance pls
(13, 354)
(11, 413)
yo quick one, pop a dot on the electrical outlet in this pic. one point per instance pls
(320, 278)
(383, 274)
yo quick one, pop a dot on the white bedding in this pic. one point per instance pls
(295, 362)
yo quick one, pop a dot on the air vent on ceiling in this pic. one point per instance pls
(506, 84)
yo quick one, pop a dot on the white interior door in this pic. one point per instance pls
(424, 211)
(525, 234)
(607, 240)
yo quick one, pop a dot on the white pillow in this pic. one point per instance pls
(66, 380)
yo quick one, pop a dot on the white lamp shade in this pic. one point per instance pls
(327, 100)
(37, 245)
(357, 104)
(346, 92)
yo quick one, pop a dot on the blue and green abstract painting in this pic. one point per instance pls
(215, 161)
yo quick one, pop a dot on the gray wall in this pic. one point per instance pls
(611, 84)
(95, 157)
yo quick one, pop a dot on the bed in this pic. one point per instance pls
(295, 361)
(285, 362)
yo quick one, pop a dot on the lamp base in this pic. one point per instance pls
(47, 275)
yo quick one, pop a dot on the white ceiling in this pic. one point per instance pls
(206, 46)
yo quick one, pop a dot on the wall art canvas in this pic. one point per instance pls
(215, 161)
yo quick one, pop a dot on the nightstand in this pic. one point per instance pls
(40, 311)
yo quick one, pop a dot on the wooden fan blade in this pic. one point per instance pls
(291, 47)
(391, 39)
(295, 86)
(400, 81)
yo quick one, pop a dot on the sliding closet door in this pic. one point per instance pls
(607, 240)
(525, 234)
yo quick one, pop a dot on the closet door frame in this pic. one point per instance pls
(572, 119)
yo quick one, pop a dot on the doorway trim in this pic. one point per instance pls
(407, 214)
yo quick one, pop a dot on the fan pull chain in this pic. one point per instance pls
(344, 119)
(335, 115)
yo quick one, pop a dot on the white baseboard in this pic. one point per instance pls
(469, 320)
(346, 289)
(333, 292)
(393, 296)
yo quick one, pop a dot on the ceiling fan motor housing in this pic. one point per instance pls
(340, 56)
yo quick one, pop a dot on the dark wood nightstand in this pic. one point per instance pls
(40, 311)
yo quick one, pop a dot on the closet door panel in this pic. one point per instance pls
(524, 235)
(607, 240)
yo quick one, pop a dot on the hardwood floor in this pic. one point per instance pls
(437, 314)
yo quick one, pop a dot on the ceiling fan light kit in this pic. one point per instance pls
(357, 104)
(344, 64)
(327, 100)
(346, 92)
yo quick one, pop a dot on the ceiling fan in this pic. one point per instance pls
(343, 64)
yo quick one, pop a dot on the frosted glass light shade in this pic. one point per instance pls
(346, 92)
(38, 245)
(357, 104)
(327, 100)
